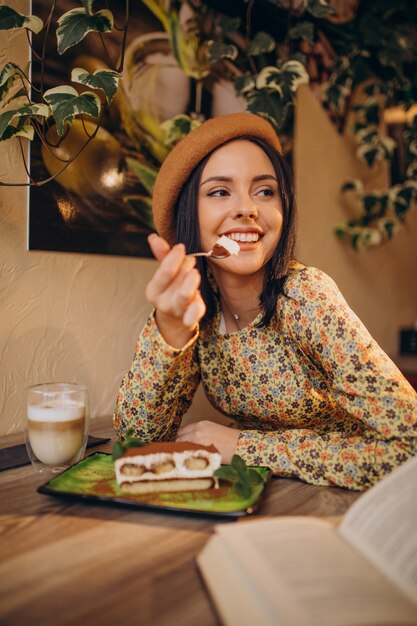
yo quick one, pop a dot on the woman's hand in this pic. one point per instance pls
(174, 292)
(206, 433)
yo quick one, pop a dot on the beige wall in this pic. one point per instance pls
(380, 284)
(76, 317)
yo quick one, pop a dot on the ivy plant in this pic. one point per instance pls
(26, 109)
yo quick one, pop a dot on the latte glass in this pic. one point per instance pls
(56, 425)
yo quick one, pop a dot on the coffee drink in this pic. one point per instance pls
(57, 431)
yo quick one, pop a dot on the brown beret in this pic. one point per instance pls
(187, 154)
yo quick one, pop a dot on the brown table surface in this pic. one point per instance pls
(74, 563)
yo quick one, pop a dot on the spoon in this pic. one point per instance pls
(217, 252)
(222, 249)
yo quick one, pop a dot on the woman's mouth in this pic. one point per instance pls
(244, 237)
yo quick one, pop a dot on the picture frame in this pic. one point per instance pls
(84, 209)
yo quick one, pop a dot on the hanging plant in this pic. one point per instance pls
(368, 46)
(24, 115)
(382, 62)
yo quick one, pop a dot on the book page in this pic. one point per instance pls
(231, 587)
(307, 575)
(382, 524)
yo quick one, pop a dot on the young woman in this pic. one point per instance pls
(273, 342)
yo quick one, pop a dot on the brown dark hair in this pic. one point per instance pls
(187, 232)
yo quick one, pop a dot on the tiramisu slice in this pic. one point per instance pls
(227, 244)
(167, 466)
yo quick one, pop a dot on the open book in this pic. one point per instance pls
(302, 571)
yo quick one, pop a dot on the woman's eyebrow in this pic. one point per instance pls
(222, 179)
(228, 179)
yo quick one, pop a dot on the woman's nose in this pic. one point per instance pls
(246, 208)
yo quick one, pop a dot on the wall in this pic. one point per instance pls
(380, 284)
(76, 317)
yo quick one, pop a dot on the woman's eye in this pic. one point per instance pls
(266, 191)
(218, 193)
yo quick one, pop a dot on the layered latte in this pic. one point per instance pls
(57, 431)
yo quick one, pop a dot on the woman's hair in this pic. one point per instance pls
(187, 232)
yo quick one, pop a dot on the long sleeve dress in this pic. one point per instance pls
(313, 394)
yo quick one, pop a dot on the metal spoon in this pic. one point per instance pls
(217, 252)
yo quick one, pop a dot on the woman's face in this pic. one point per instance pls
(239, 198)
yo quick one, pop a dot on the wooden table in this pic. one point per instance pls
(65, 563)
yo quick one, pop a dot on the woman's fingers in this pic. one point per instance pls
(158, 246)
(194, 312)
(168, 270)
(181, 291)
(175, 285)
(174, 288)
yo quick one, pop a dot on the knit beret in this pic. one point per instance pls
(187, 154)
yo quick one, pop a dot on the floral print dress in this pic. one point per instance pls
(313, 394)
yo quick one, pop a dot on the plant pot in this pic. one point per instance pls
(153, 83)
(225, 100)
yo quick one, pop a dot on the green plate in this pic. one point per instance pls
(93, 480)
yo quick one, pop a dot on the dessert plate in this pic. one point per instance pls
(93, 480)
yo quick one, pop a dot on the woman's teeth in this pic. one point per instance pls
(244, 237)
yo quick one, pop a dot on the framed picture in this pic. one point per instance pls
(97, 204)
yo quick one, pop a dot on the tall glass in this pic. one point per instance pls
(57, 425)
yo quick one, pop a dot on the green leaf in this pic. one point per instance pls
(145, 174)
(352, 185)
(132, 441)
(370, 203)
(412, 170)
(375, 88)
(10, 19)
(22, 129)
(8, 71)
(244, 84)
(238, 463)
(285, 80)
(268, 104)
(225, 473)
(369, 154)
(244, 479)
(243, 488)
(302, 30)
(118, 450)
(228, 24)
(178, 127)
(340, 232)
(261, 44)
(255, 477)
(320, 8)
(8, 75)
(142, 209)
(390, 228)
(65, 103)
(106, 80)
(77, 23)
(216, 50)
(7, 129)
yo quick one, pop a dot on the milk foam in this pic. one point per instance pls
(56, 411)
(63, 443)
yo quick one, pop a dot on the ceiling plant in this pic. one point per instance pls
(361, 61)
